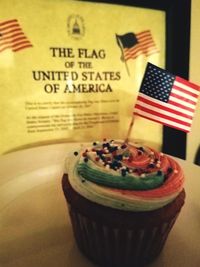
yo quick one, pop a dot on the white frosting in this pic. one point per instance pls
(130, 200)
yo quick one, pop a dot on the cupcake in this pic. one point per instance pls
(123, 200)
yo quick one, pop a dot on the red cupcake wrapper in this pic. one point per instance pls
(118, 247)
(132, 240)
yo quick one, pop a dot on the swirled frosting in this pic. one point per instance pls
(125, 176)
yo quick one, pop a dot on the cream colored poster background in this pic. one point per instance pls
(74, 88)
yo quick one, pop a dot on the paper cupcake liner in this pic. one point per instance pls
(116, 247)
(116, 238)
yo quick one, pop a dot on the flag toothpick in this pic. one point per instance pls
(167, 99)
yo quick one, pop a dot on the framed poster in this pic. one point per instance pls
(71, 78)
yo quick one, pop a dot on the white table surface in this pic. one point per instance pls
(34, 225)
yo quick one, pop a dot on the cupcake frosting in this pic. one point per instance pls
(125, 176)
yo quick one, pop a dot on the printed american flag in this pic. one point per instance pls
(12, 37)
(167, 99)
(134, 45)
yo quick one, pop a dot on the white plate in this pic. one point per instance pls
(34, 223)
(35, 230)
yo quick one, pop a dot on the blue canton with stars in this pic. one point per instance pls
(157, 83)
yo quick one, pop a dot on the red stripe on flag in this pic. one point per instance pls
(22, 47)
(176, 104)
(7, 22)
(185, 91)
(167, 124)
(144, 34)
(11, 31)
(162, 115)
(132, 53)
(182, 98)
(9, 27)
(137, 51)
(163, 106)
(12, 36)
(185, 82)
(21, 44)
(14, 41)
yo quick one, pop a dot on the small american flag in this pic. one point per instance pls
(134, 45)
(167, 99)
(12, 36)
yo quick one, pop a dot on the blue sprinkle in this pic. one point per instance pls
(159, 173)
(99, 152)
(169, 170)
(112, 149)
(118, 157)
(102, 157)
(123, 172)
(151, 165)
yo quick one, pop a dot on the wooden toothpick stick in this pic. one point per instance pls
(129, 130)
